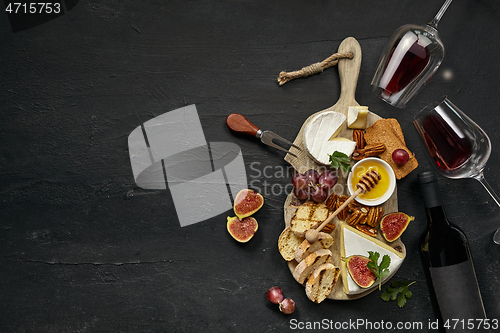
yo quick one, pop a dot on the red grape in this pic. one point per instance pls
(299, 180)
(328, 178)
(312, 176)
(318, 193)
(301, 193)
(287, 306)
(275, 294)
(400, 156)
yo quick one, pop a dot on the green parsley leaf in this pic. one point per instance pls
(381, 271)
(340, 160)
(398, 287)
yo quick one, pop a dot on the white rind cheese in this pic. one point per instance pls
(354, 242)
(357, 117)
(320, 137)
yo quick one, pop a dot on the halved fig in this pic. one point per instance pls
(247, 202)
(393, 225)
(242, 230)
(360, 273)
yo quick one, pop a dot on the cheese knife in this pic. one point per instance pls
(239, 123)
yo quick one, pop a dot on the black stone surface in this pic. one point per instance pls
(83, 249)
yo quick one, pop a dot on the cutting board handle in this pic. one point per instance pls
(348, 73)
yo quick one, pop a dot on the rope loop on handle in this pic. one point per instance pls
(315, 68)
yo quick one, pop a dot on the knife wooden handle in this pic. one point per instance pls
(239, 123)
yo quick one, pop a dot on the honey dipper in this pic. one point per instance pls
(365, 184)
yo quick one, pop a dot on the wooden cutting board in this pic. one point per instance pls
(348, 73)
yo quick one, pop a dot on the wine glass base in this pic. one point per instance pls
(496, 237)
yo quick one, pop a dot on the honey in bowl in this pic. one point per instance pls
(384, 185)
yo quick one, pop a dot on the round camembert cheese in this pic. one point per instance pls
(320, 137)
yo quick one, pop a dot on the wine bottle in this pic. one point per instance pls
(448, 266)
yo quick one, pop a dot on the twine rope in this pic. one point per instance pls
(315, 68)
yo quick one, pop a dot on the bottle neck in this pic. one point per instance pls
(432, 197)
(436, 217)
(432, 200)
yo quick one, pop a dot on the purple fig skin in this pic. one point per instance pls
(242, 230)
(247, 202)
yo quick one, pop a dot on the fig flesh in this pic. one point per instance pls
(242, 229)
(393, 225)
(360, 273)
(247, 202)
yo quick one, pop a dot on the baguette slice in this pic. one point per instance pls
(288, 242)
(305, 248)
(320, 283)
(309, 215)
(309, 264)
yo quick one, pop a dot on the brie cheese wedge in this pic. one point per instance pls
(320, 137)
(354, 242)
(357, 117)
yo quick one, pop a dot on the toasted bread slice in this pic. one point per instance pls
(288, 242)
(320, 283)
(308, 215)
(309, 264)
(305, 248)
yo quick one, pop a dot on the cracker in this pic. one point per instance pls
(388, 132)
(397, 129)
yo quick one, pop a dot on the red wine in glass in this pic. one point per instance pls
(448, 146)
(407, 59)
(410, 58)
(457, 145)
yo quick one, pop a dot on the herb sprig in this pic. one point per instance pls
(340, 160)
(381, 271)
(398, 287)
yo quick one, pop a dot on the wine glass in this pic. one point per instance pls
(458, 147)
(410, 58)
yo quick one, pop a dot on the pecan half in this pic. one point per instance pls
(355, 217)
(329, 227)
(368, 151)
(358, 136)
(364, 211)
(367, 230)
(372, 215)
(375, 215)
(334, 202)
(374, 150)
(358, 154)
(354, 205)
(330, 202)
(340, 201)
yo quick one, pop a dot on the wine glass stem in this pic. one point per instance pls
(482, 180)
(437, 18)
